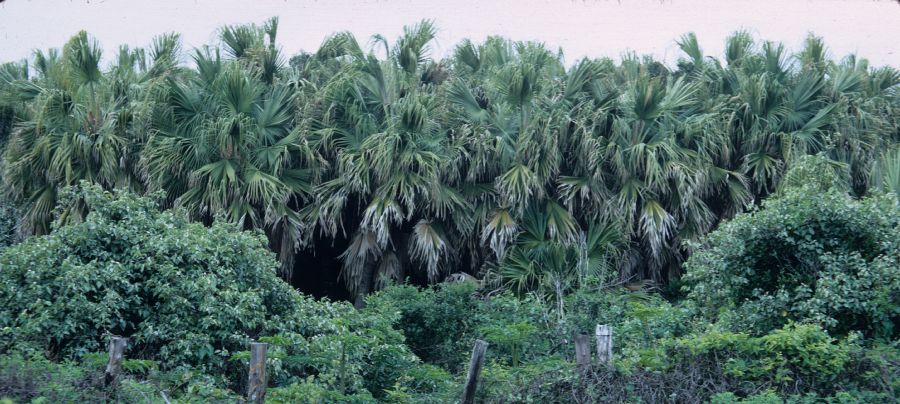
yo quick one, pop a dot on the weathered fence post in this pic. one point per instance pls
(256, 386)
(475, 365)
(116, 353)
(604, 344)
(583, 352)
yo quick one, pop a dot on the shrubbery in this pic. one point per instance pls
(190, 298)
(8, 217)
(831, 259)
(185, 294)
(807, 255)
(795, 301)
(556, 185)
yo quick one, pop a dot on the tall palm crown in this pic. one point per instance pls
(225, 139)
(500, 160)
(79, 123)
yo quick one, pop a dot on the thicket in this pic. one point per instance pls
(735, 221)
(191, 297)
(502, 160)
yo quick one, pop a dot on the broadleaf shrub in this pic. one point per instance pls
(190, 298)
(806, 255)
(184, 293)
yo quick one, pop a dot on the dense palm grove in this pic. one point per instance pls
(547, 182)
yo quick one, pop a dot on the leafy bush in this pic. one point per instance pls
(341, 350)
(795, 362)
(34, 379)
(807, 255)
(185, 294)
(637, 317)
(189, 297)
(310, 391)
(425, 384)
(441, 324)
(797, 357)
(547, 380)
(438, 323)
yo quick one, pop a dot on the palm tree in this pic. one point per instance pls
(501, 160)
(380, 125)
(78, 125)
(225, 141)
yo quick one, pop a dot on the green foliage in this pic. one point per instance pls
(36, 379)
(310, 392)
(790, 357)
(636, 316)
(770, 397)
(543, 381)
(32, 378)
(551, 184)
(441, 324)
(797, 363)
(8, 221)
(190, 298)
(345, 350)
(424, 384)
(660, 350)
(437, 323)
(509, 336)
(886, 173)
(500, 161)
(808, 255)
(816, 173)
(185, 294)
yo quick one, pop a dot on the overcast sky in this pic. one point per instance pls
(870, 28)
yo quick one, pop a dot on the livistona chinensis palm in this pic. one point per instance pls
(501, 160)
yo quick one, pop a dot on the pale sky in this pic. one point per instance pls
(593, 28)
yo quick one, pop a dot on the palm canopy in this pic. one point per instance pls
(79, 122)
(225, 139)
(500, 160)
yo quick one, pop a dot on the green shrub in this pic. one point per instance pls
(796, 359)
(770, 397)
(189, 297)
(32, 378)
(441, 324)
(9, 217)
(35, 379)
(792, 364)
(637, 317)
(311, 392)
(438, 323)
(425, 384)
(345, 350)
(807, 255)
(185, 294)
(547, 380)
(800, 356)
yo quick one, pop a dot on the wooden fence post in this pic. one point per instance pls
(583, 352)
(604, 344)
(256, 386)
(475, 365)
(116, 353)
